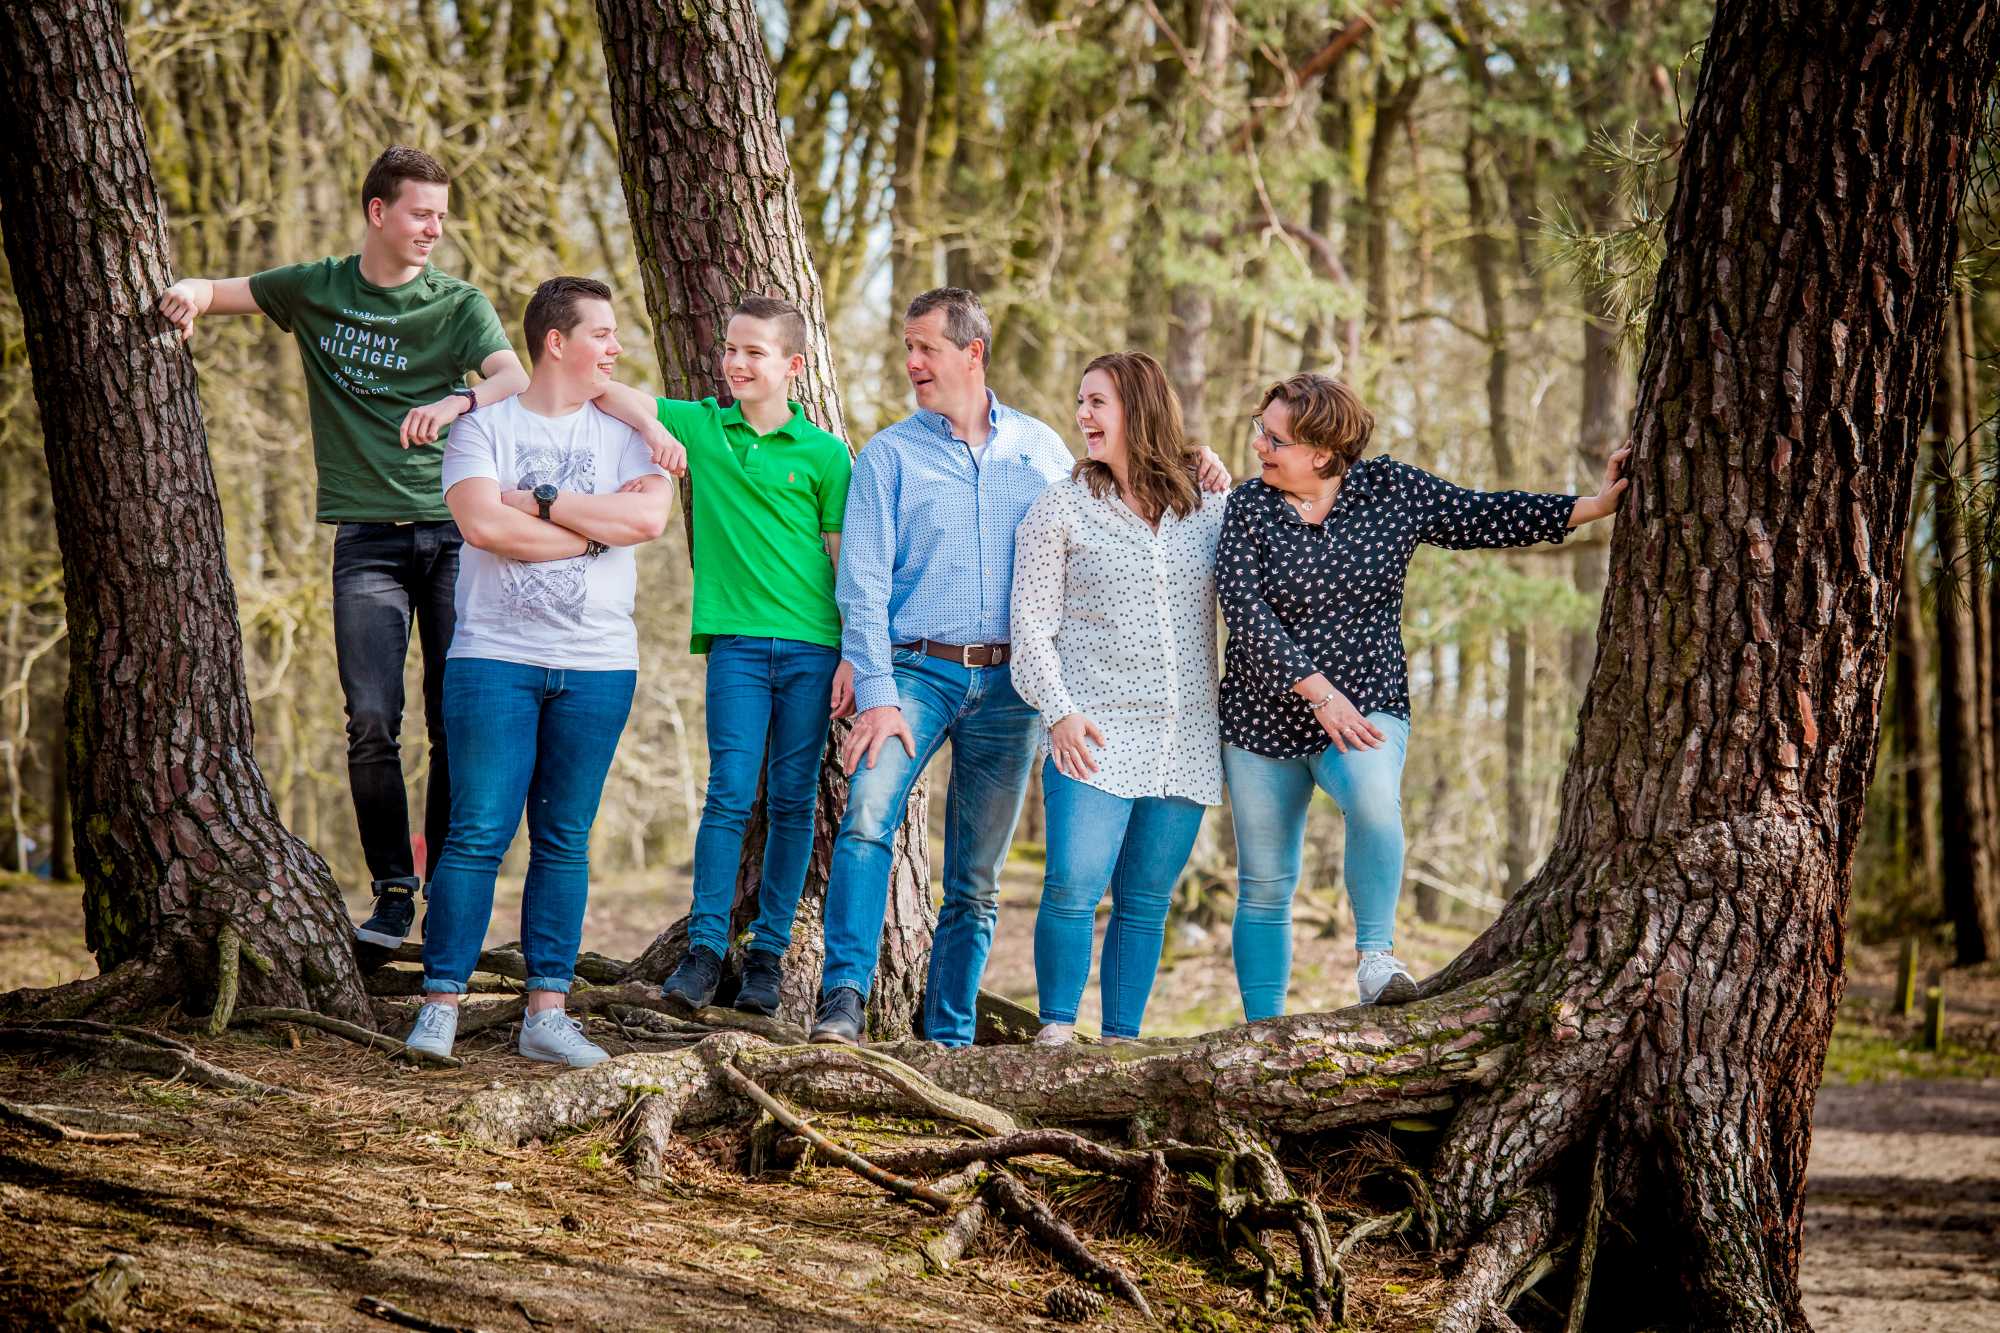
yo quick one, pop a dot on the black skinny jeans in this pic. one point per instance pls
(382, 574)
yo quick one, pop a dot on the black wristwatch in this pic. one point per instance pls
(545, 495)
(471, 399)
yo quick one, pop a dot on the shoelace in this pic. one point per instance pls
(432, 1020)
(567, 1033)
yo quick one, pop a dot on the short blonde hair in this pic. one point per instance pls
(1327, 416)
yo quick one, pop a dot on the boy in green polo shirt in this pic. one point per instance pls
(770, 490)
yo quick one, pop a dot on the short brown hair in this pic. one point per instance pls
(964, 318)
(397, 164)
(553, 308)
(1327, 416)
(1160, 461)
(790, 320)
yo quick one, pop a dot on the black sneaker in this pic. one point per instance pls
(763, 974)
(395, 913)
(692, 985)
(840, 1017)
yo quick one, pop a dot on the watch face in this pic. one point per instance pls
(545, 493)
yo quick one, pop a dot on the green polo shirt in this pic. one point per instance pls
(761, 503)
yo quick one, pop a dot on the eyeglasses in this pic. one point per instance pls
(1258, 432)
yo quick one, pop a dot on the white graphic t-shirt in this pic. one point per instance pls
(574, 614)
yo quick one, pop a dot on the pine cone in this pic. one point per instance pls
(1074, 1303)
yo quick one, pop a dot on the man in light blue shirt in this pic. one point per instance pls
(926, 570)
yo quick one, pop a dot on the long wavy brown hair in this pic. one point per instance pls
(1160, 461)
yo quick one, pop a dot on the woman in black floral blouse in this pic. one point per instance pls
(1315, 688)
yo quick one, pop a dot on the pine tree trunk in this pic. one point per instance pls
(714, 215)
(177, 836)
(1685, 935)
(1912, 669)
(1970, 860)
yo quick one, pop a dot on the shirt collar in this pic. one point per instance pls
(793, 428)
(941, 423)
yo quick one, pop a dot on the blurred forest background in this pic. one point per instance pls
(1452, 205)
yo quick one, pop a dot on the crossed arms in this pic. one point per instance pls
(509, 523)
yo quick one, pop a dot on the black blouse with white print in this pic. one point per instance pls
(1301, 597)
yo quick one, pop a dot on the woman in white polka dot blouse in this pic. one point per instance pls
(1114, 642)
(1315, 687)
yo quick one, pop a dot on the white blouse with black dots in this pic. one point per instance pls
(1303, 597)
(1116, 620)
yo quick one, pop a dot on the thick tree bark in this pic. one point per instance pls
(715, 214)
(177, 837)
(1686, 930)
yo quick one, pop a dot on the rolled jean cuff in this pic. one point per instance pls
(439, 986)
(833, 982)
(547, 983)
(1373, 946)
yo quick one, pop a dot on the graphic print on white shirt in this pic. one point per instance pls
(573, 614)
(552, 592)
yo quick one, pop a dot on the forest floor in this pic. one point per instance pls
(283, 1213)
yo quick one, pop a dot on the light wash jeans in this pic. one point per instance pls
(532, 737)
(1268, 799)
(992, 735)
(1136, 848)
(765, 696)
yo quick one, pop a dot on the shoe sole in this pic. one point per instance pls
(557, 1059)
(377, 937)
(757, 1009)
(1399, 989)
(832, 1039)
(682, 1004)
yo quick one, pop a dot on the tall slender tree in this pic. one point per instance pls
(715, 214)
(185, 862)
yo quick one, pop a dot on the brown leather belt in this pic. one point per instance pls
(966, 655)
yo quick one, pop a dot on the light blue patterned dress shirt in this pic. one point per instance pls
(928, 546)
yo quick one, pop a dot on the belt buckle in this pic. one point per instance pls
(965, 654)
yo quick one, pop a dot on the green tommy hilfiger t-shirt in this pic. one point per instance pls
(371, 354)
(761, 503)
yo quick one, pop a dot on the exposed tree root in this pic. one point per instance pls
(652, 1126)
(1477, 1296)
(339, 1027)
(36, 1121)
(914, 1191)
(508, 961)
(130, 1048)
(231, 952)
(1586, 1255)
(102, 1304)
(376, 1308)
(1011, 1199)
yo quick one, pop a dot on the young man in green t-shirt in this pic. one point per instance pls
(770, 491)
(386, 341)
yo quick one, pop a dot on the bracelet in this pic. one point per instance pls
(1330, 697)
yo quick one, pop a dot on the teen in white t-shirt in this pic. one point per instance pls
(551, 495)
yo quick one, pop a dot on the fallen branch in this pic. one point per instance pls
(354, 1032)
(381, 1309)
(508, 961)
(930, 1159)
(1011, 1199)
(915, 1191)
(162, 1057)
(41, 1126)
(1586, 1256)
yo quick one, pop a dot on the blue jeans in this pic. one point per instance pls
(1137, 848)
(992, 734)
(1269, 798)
(522, 736)
(763, 695)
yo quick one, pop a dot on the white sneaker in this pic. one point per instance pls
(1056, 1034)
(435, 1029)
(1381, 978)
(556, 1038)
